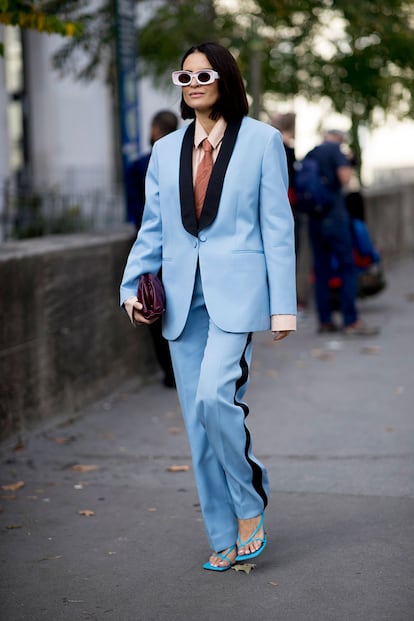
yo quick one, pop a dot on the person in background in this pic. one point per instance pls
(217, 217)
(354, 200)
(286, 123)
(330, 235)
(163, 122)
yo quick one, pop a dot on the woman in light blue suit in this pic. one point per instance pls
(227, 271)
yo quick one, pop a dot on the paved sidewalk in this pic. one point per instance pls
(333, 420)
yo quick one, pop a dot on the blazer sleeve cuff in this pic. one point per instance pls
(280, 323)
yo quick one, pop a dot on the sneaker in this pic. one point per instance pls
(359, 328)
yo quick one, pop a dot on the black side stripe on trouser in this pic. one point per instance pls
(257, 475)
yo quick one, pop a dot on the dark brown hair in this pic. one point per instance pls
(165, 120)
(232, 103)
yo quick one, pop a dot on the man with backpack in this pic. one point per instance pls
(319, 182)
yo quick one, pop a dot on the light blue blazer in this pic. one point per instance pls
(244, 242)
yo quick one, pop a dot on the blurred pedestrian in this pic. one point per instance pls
(354, 199)
(163, 122)
(286, 124)
(229, 270)
(330, 235)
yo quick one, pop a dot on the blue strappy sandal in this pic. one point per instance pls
(225, 557)
(242, 544)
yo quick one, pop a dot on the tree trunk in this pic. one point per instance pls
(355, 144)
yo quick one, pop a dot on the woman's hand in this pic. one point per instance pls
(282, 334)
(133, 308)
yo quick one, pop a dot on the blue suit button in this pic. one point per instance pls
(203, 238)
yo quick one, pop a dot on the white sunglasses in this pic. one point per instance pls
(184, 78)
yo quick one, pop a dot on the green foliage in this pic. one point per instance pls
(35, 15)
(360, 55)
(186, 23)
(91, 49)
(374, 64)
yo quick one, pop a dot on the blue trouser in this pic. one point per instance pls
(331, 235)
(211, 370)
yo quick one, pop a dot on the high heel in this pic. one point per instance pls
(224, 555)
(242, 544)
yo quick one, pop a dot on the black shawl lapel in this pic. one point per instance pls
(186, 182)
(215, 185)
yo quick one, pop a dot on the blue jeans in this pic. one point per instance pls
(331, 235)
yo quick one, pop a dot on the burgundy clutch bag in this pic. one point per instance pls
(151, 295)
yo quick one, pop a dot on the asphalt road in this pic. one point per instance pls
(93, 525)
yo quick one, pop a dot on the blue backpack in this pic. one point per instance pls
(312, 194)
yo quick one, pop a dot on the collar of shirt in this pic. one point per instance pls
(214, 137)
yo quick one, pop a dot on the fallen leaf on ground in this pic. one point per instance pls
(151, 509)
(175, 430)
(14, 526)
(9, 497)
(272, 373)
(245, 568)
(20, 446)
(321, 354)
(178, 468)
(373, 350)
(12, 487)
(62, 440)
(84, 467)
(86, 512)
(274, 583)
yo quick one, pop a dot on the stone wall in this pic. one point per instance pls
(64, 341)
(390, 219)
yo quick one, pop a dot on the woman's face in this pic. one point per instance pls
(199, 97)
